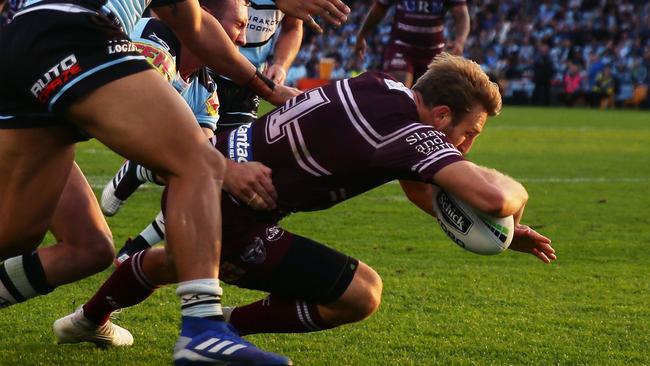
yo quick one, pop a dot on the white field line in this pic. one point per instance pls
(577, 180)
(98, 181)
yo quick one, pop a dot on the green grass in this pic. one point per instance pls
(588, 174)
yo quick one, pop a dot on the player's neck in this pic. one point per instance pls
(425, 113)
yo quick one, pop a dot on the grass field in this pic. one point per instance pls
(588, 174)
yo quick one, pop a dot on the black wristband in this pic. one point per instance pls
(261, 85)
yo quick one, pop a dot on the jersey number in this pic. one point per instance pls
(284, 123)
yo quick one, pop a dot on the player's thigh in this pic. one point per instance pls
(278, 261)
(143, 118)
(34, 166)
(78, 220)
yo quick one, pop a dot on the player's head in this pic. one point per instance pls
(233, 16)
(457, 97)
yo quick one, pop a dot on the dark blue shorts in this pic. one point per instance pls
(53, 54)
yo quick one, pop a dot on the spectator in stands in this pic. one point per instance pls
(604, 87)
(572, 86)
(543, 74)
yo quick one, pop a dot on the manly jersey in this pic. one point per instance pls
(162, 49)
(332, 143)
(263, 20)
(420, 23)
(125, 12)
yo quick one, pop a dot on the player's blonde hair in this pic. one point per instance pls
(458, 83)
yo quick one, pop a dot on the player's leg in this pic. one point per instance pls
(312, 287)
(84, 244)
(124, 183)
(28, 158)
(84, 241)
(398, 64)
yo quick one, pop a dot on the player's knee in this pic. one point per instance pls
(364, 296)
(371, 293)
(98, 249)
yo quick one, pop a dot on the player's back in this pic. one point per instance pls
(337, 141)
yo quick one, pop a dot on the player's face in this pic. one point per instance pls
(234, 23)
(464, 132)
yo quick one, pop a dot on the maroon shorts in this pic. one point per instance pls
(407, 59)
(258, 254)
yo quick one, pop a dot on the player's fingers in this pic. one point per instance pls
(331, 19)
(539, 254)
(336, 8)
(311, 23)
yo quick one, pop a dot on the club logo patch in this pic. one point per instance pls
(255, 253)
(453, 215)
(274, 233)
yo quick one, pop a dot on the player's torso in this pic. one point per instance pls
(419, 24)
(333, 143)
(263, 20)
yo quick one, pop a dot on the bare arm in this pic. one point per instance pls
(420, 194)
(461, 28)
(374, 17)
(286, 48)
(205, 37)
(485, 189)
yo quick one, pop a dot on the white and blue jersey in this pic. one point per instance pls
(126, 12)
(160, 47)
(264, 18)
(238, 103)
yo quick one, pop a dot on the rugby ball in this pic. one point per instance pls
(470, 229)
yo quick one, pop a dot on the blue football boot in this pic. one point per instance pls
(209, 342)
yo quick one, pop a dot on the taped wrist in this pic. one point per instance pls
(261, 85)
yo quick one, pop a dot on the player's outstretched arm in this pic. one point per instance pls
(420, 194)
(199, 31)
(333, 11)
(484, 189)
(374, 17)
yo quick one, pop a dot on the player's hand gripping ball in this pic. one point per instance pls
(470, 229)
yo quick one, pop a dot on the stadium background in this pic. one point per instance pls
(529, 47)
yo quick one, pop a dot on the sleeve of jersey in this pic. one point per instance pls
(419, 154)
(204, 104)
(385, 2)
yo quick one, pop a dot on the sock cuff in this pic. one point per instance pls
(36, 273)
(209, 286)
(136, 267)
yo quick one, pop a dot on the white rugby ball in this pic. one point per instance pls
(470, 229)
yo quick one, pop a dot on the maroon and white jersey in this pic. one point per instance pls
(419, 23)
(335, 142)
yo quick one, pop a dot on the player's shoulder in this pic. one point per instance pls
(154, 31)
(377, 81)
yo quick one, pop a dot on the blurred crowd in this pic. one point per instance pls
(575, 52)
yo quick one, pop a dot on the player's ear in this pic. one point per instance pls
(442, 116)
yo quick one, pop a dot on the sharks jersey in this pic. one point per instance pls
(264, 18)
(125, 12)
(162, 49)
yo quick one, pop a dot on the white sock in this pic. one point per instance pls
(155, 232)
(200, 298)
